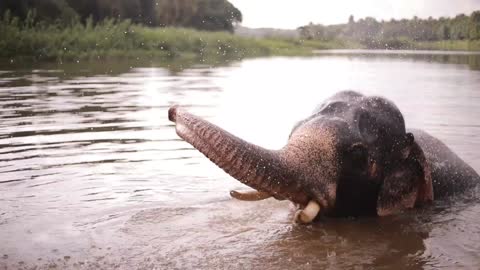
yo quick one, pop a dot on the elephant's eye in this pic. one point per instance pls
(358, 156)
(410, 139)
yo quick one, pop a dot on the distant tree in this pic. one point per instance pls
(475, 25)
(351, 19)
(376, 34)
(175, 12)
(147, 14)
(306, 32)
(459, 27)
(444, 32)
(47, 10)
(215, 15)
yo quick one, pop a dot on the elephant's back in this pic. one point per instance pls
(450, 174)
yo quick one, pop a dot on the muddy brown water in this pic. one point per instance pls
(92, 174)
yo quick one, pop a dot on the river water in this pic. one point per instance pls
(92, 174)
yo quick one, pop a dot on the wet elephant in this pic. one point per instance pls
(353, 156)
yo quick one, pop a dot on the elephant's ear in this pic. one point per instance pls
(406, 184)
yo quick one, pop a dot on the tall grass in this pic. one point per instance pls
(124, 39)
(55, 40)
(112, 38)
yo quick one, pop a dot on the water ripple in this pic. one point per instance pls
(92, 170)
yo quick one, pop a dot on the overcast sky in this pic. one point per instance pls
(293, 13)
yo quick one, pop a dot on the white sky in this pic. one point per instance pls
(294, 13)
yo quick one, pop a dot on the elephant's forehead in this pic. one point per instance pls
(341, 105)
(380, 111)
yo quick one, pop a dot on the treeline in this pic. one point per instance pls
(397, 33)
(212, 15)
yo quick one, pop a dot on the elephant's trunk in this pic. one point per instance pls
(262, 169)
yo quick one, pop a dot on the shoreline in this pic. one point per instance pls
(37, 38)
(111, 39)
(397, 52)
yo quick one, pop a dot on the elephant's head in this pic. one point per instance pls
(353, 156)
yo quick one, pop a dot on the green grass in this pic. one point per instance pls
(25, 39)
(124, 39)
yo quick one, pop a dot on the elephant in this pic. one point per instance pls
(353, 156)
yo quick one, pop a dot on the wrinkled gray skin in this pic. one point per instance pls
(351, 157)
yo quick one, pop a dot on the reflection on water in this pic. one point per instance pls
(93, 175)
(471, 59)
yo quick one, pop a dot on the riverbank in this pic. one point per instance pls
(110, 39)
(124, 39)
(449, 45)
(408, 44)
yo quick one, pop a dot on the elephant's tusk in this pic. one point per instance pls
(253, 195)
(307, 214)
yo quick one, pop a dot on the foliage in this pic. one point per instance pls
(57, 30)
(49, 10)
(216, 15)
(475, 25)
(110, 37)
(397, 34)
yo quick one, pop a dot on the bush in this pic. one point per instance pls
(112, 38)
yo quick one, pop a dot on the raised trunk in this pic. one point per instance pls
(259, 168)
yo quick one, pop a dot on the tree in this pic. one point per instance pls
(397, 33)
(351, 19)
(147, 14)
(212, 15)
(444, 32)
(475, 25)
(47, 10)
(215, 15)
